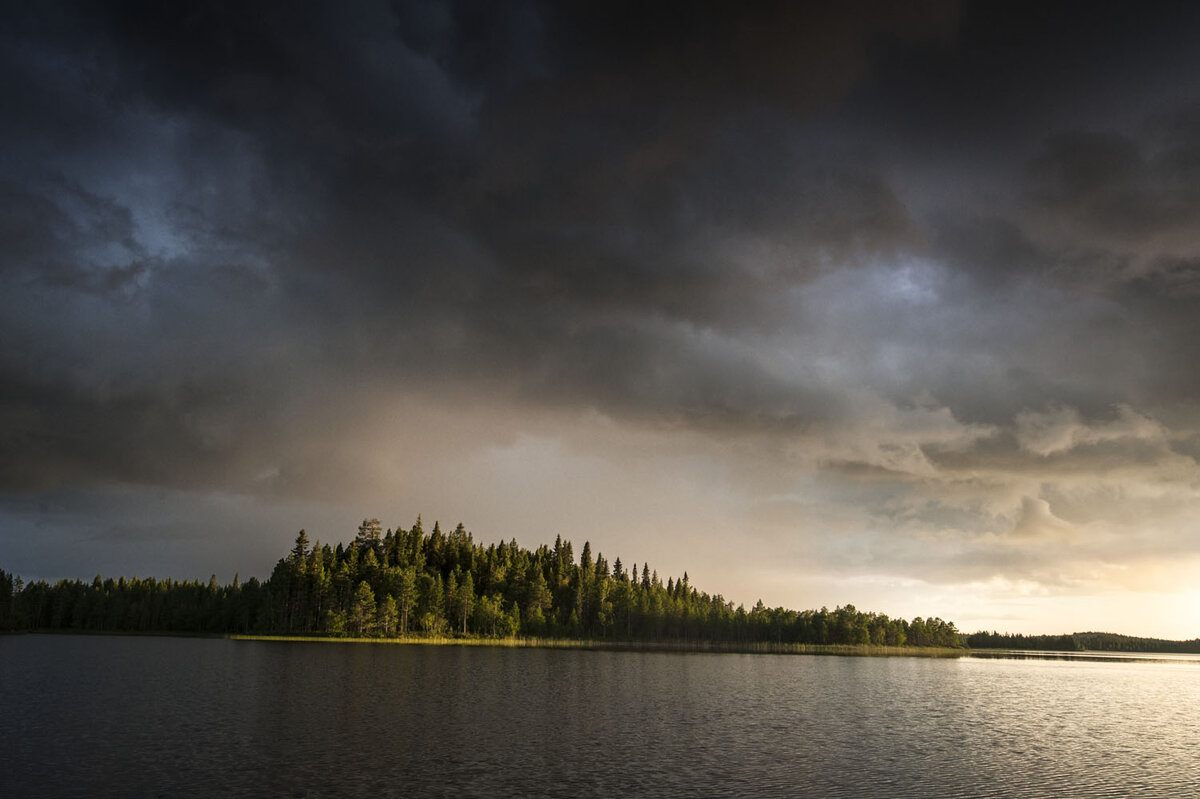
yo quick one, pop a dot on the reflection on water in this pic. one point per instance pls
(1098, 657)
(113, 716)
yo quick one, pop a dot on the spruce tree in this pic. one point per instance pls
(301, 548)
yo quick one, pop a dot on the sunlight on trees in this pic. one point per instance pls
(406, 582)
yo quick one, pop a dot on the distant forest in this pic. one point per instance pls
(1078, 642)
(412, 583)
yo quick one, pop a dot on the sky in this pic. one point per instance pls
(890, 304)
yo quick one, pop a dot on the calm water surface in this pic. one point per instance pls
(117, 716)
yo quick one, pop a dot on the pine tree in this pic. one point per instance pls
(466, 599)
(301, 548)
(387, 615)
(537, 601)
(408, 595)
(451, 603)
(363, 610)
(370, 534)
(585, 558)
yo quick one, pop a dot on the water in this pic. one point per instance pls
(124, 716)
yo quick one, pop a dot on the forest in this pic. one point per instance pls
(412, 583)
(1079, 642)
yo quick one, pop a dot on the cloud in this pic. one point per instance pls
(1121, 206)
(1060, 429)
(897, 439)
(828, 278)
(1036, 519)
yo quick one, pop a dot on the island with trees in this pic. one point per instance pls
(1081, 642)
(413, 585)
(409, 584)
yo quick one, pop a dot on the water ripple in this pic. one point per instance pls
(110, 716)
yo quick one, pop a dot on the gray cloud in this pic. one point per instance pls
(877, 279)
(1121, 207)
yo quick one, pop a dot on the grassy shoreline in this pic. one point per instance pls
(530, 642)
(714, 647)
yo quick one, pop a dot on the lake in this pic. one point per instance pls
(139, 716)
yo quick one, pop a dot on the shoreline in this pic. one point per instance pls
(683, 647)
(712, 647)
(535, 642)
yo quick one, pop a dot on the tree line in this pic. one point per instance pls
(1079, 642)
(407, 582)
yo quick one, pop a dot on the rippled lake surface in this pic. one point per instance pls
(126, 716)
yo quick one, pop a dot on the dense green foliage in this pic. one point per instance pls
(1047, 643)
(1078, 642)
(409, 582)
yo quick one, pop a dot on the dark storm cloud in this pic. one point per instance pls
(1124, 206)
(1016, 71)
(889, 275)
(453, 193)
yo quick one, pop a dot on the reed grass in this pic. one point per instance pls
(535, 642)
